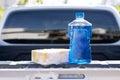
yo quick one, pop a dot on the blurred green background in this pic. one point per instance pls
(4, 4)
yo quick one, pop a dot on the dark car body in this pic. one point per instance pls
(51, 24)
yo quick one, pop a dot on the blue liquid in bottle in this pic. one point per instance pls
(80, 32)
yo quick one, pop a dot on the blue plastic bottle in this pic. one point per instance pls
(80, 32)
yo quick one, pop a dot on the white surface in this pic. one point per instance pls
(33, 74)
(46, 73)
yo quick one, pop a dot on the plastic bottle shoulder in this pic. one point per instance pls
(79, 22)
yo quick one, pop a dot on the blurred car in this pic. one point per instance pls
(26, 28)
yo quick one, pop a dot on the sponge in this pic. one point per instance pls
(50, 56)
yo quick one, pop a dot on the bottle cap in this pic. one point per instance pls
(79, 15)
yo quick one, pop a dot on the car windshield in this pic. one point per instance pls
(50, 26)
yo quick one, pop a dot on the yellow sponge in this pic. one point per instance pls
(50, 56)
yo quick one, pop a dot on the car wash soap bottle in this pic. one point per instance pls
(80, 32)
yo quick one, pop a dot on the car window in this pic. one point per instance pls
(50, 26)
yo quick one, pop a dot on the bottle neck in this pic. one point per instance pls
(79, 18)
